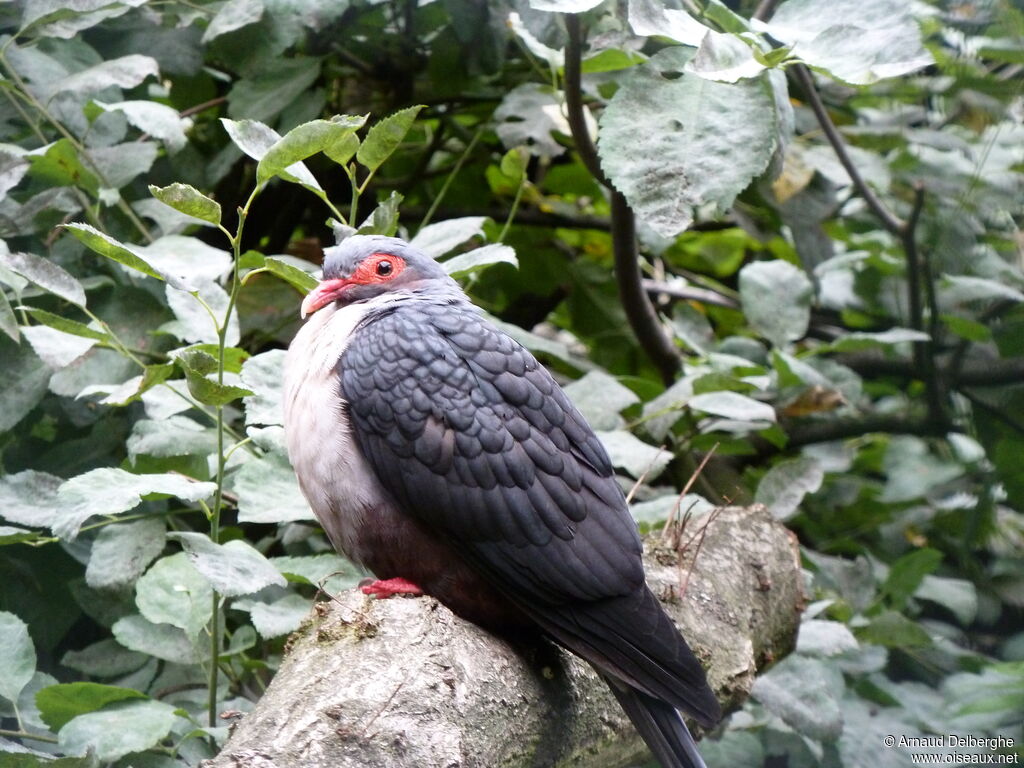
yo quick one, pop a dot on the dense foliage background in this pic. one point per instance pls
(829, 297)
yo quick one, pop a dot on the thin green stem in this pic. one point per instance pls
(27, 735)
(337, 214)
(515, 206)
(130, 518)
(353, 210)
(451, 177)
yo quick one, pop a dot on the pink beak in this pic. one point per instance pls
(325, 293)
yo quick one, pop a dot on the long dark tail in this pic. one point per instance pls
(660, 725)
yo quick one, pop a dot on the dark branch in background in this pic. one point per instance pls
(827, 431)
(765, 10)
(640, 312)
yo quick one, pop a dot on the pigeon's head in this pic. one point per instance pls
(364, 266)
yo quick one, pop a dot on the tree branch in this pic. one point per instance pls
(643, 318)
(827, 431)
(765, 10)
(403, 682)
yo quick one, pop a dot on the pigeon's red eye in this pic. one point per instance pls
(384, 268)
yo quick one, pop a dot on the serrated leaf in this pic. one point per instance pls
(47, 275)
(233, 569)
(17, 656)
(384, 219)
(441, 237)
(255, 139)
(702, 142)
(329, 136)
(385, 137)
(58, 704)
(784, 486)
(110, 491)
(188, 200)
(118, 730)
(776, 299)
(198, 367)
(8, 322)
(725, 58)
(173, 592)
(107, 246)
(634, 455)
(480, 258)
(122, 551)
(301, 281)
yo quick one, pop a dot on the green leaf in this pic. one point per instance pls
(281, 616)
(199, 314)
(110, 491)
(198, 366)
(437, 239)
(858, 41)
(173, 592)
(825, 638)
(122, 551)
(265, 95)
(776, 298)
(784, 486)
(958, 596)
(300, 280)
(805, 693)
(107, 246)
(263, 374)
(47, 275)
(106, 658)
(732, 405)
(233, 569)
(269, 493)
(894, 630)
(661, 140)
(160, 640)
(63, 324)
(59, 166)
(725, 58)
(60, 703)
(330, 136)
(125, 72)
(514, 163)
(17, 656)
(29, 498)
(907, 573)
(611, 60)
(601, 398)
(233, 15)
(384, 219)
(188, 200)
(255, 139)
(155, 119)
(968, 329)
(633, 455)
(385, 137)
(480, 258)
(56, 348)
(8, 322)
(118, 730)
(332, 571)
(564, 6)
(23, 382)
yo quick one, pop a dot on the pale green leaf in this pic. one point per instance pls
(805, 693)
(59, 703)
(638, 458)
(106, 658)
(233, 15)
(776, 298)
(255, 139)
(173, 592)
(56, 348)
(17, 656)
(784, 486)
(263, 96)
(110, 491)
(194, 322)
(281, 616)
(306, 140)
(329, 571)
(702, 142)
(118, 730)
(825, 638)
(125, 72)
(174, 436)
(29, 498)
(122, 551)
(160, 640)
(47, 275)
(269, 493)
(107, 246)
(480, 258)
(233, 569)
(187, 262)
(23, 381)
(600, 398)
(441, 237)
(297, 278)
(732, 405)
(263, 374)
(958, 596)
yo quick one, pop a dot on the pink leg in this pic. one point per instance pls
(389, 588)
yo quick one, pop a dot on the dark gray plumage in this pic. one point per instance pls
(487, 488)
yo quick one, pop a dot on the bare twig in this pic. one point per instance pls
(765, 10)
(827, 431)
(686, 489)
(690, 293)
(889, 220)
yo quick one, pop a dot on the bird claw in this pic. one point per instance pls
(389, 588)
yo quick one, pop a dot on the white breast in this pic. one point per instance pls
(333, 475)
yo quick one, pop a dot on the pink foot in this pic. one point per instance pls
(389, 588)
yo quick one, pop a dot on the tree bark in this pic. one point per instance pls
(403, 682)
